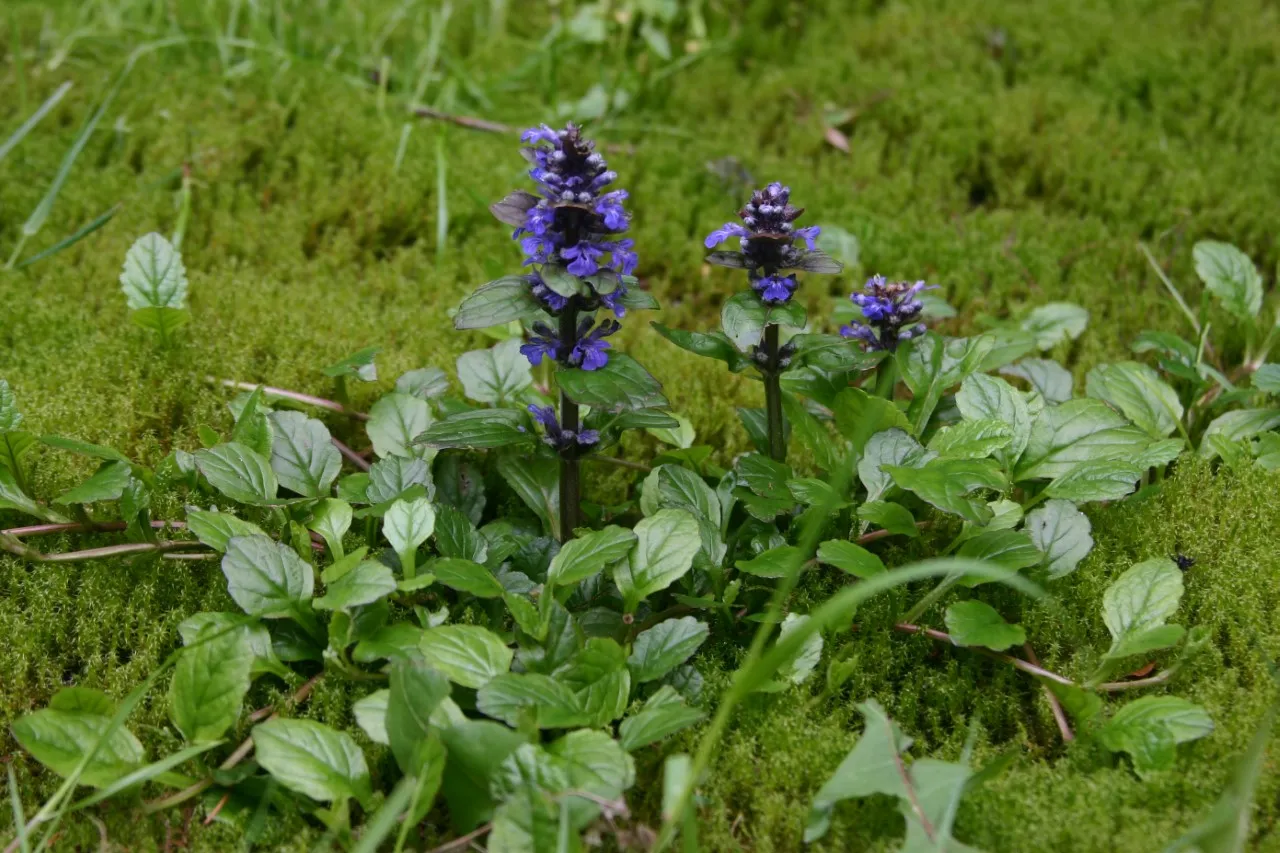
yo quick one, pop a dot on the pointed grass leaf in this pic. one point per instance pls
(313, 760)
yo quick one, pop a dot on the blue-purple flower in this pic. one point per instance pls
(769, 241)
(577, 219)
(557, 437)
(892, 310)
(589, 351)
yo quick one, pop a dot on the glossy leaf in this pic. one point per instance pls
(313, 759)
(468, 655)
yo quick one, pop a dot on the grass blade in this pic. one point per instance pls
(19, 819)
(73, 238)
(36, 118)
(144, 774)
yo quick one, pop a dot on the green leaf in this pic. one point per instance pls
(532, 698)
(252, 428)
(210, 682)
(947, 484)
(10, 417)
(302, 454)
(238, 472)
(1149, 729)
(477, 749)
(1008, 549)
(456, 536)
(468, 654)
(478, 430)
(598, 675)
(714, 345)
(1063, 535)
(662, 716)
(497, 303)
(743, 319)
(985, 398)
(416, 691)
(850, 558)
(495, 375)
(1229, 275)
(466, 576)
(12, 497)
(800, 667)
(971, 439)
(1056, 322)
(859, 417)
(621, 385)
(368, 582)
(839, 244)
(76, 720)
(589, 554)
(1139, 392)
(1077, 431)
(666, 543)
(893, 517)
(1266, 379)
(973, 623)
(931, 364)
(266, 578)
(1096, 480)
(312, 759)
(873, 766)
(676, 487)
(331, 518)
(398, 477)
(662, 648)
(890, 447)
(107, 484)
(1046, 376)
(536, 479)
(153, 275)
(1141, 599)
(359, 365)
(265, 659)
(426, 383)
(216, 528)
(774, 563)
(395, 422)
(14, 445)
(407, 524)
(1236, 426)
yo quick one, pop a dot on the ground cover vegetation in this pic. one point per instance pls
(924, 504)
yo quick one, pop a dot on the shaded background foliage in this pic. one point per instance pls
(1012, 153)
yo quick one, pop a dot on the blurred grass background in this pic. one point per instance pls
(1014, 153)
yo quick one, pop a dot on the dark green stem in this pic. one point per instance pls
(773, 395)
(570, 476)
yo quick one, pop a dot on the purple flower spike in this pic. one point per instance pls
(558, 438)
(892, 311)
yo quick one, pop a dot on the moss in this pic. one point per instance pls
(1013, 154)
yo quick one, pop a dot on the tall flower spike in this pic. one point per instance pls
(576, 221)
(562, 439)
(769, 244)
(892, 310)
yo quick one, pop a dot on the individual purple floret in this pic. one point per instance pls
(562, 439)
(577, 220)
(892, 310)
(588, 352)
(769, 244)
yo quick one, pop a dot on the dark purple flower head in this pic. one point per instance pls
(892, 310)
(771, 243)
(558, 438)
(577, 219)
(551, 300)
